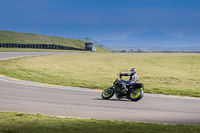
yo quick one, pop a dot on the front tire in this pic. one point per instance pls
(107, 93)
(136, 94)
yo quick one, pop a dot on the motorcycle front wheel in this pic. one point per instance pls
(107, 93)
(136, 94)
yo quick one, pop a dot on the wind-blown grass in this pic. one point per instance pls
(174, 74)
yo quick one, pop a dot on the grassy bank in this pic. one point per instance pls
(26, 123)
(28, 38)
(174, 74)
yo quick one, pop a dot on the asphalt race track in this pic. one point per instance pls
(31, 97)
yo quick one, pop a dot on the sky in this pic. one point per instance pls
(100, 19)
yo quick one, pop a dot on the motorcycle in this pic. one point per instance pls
(124, 89)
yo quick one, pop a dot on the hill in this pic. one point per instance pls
(29, 38)
(156, 39)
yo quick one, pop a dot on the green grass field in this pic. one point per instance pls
(162, 73)
(11, 122)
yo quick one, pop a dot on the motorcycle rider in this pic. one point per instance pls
(133, 78)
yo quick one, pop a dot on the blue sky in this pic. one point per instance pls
(100, 19)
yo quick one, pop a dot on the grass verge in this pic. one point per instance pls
(11, 122)
(174, 73)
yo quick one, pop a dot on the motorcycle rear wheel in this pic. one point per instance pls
(136, 94)
(107, 93)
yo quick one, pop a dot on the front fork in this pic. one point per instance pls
(110, 88)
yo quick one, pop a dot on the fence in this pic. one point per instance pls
(38, 46)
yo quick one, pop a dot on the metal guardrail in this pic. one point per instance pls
(38, 46)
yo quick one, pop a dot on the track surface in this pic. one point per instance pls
(85, 103)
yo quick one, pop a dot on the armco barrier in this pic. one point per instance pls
(38, 46)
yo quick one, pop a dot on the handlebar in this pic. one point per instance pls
(120, 76)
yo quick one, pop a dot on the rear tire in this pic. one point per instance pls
(136, 94)
(107, 93)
